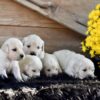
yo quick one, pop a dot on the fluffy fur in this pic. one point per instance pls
(10, 52)
(30, 66)
(75, 65)
(50, 65)
(33, 45)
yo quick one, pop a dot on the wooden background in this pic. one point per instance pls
(19, 21)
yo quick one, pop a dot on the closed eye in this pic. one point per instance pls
(34, 70)
(56, 68)
(15, 49)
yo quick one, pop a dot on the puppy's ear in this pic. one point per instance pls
(60, 70)
(43, 51)
(24, 40)
(5, 48)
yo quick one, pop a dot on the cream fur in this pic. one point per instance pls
(33, 45)
(28, 65)
(50, 65)
(9, 58)
(74, 64)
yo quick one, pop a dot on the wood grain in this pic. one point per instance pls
(55, 39)
(72, 14)
(14, 14)
(18, 21)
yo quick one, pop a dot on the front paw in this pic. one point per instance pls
(25, 78)
(3, 74)
(19, 79)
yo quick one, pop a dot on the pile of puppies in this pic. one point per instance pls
(27, 58)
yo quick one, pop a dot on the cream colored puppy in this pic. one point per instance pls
(33, 45)
(30, 66)
(11, 51)
(75, 65)
(50, 65)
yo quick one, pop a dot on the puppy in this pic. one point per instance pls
(33, 45)
(50, 65)
(75, 65)
(30, 66)
(11, 51)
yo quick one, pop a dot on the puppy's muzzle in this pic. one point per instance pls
(21, 56)
(33, 53)
(93, 77)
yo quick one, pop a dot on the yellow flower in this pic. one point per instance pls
(90, 23)
(84, 49)
(91, 14)
(92, 41)
(98, 7)
(92, 53)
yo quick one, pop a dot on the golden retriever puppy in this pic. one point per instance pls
(33, 45)
(50, 65)
(10, 52)
(75, 65)
(30, 66)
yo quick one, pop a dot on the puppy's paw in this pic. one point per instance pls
(3, 74)
(16, 71)
(19, 79)
(25, 78)
(4, 77)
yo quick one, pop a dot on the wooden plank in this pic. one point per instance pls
(68, 39)
(72, 14)
(14, 14)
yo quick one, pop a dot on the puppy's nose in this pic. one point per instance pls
(32, 53)
(21, 55)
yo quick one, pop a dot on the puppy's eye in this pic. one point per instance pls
(38, 47)
(28, 46)
(14, 49)
(34, 70)
(84, 70)
(48, 70)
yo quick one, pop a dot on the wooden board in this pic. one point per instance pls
(14, 14)
(72, 14)
(55, 39)
(18, 21)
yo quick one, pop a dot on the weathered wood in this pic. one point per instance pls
(55, 39)
(18, 21)
(72, 14)
(42, 4)
(13, 14)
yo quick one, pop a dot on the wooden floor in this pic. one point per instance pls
(17, 20)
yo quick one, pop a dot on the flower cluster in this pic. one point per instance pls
(92, 43)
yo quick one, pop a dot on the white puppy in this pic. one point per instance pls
(11, 51)
(75, 65)
(33, 45)
(50, 65)
(30, 66)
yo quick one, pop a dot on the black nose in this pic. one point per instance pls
(32, 53)
(21, 55)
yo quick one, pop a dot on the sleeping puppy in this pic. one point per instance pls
(33, 45)
(50, 65)
(11, 52)
(30, 66)
(75, 65)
